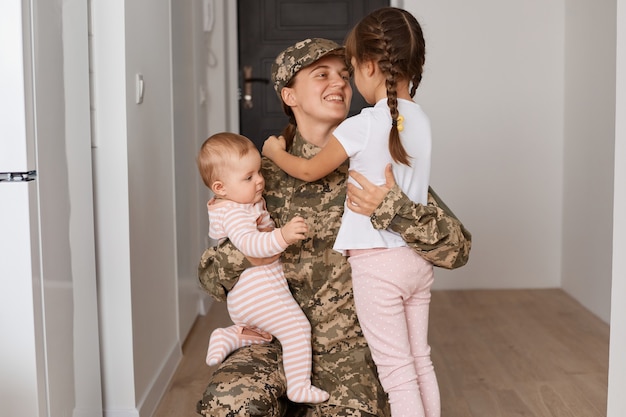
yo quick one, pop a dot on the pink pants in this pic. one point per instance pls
(392, 297)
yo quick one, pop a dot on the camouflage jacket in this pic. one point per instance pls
(319, 277)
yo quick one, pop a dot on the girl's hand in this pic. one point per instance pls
(366, 199)
(273, 145)
(294, 230)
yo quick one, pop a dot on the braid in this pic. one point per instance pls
(396, 149)
(393, 38)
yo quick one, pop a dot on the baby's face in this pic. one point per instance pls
(243, 181)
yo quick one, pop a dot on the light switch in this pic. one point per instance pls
(139, 86)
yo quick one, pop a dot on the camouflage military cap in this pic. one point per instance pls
(298, 56)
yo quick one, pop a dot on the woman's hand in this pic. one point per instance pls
(273, 145)
(366, 199)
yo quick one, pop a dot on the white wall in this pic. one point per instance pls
(54, 200)
(135, 203)
(156, 343)
(521, 98)
(617, 359)
(223, 70)
(111, 206)
(493, 88)
(589, 152)
(189, 63)
(86, 340)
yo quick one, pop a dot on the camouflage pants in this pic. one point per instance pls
(251, 382)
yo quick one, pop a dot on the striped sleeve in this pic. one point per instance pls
(241, 228)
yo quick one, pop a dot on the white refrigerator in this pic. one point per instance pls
(49, 354)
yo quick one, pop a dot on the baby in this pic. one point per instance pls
(260, 304)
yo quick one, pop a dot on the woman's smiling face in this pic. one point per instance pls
(322, 89)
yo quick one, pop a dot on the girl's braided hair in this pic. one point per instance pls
(393, 38)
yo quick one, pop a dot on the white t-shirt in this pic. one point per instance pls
(365, 138)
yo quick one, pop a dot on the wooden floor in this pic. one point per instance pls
(497, 353)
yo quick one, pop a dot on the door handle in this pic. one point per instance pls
(18, 176)
(247, 86)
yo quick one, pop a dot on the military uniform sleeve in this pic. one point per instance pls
(219, 269)
(431, 229)
(414, 221)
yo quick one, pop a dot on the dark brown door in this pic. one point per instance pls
(266, 27)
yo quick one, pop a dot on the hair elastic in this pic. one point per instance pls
(398, 123)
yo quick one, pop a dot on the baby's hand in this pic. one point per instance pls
(294, 230)
(273, 145)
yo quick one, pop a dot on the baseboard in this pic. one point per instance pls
(204, 304)
(121, 413)
(97, 411)
(149, 402)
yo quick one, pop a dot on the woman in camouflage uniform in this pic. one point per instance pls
(251, 382)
